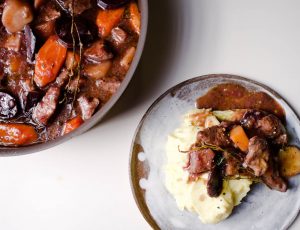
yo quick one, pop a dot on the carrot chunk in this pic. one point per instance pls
(17, 134)
(72, 124)
(49, 60)
(107, 19)
(239, 138)
(135, 17)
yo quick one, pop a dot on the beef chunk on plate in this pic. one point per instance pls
(258, 156)
(266, 125)
(250, 118)
(87, 107)
(273, 179)
(200, 161)
(271, 127)
(214, 135)
(232, 164)
(46, 108)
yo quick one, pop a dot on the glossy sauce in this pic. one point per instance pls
(234, 96)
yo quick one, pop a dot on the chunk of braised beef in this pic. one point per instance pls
(87, 106)
(97, 52)
(273, 179)
(258, 155)
(250, 118)
(75, 85)
(215, 182)
(271, 127)
(62, 78)
(232, 164)
(214, 135)
(200, 161)
(108, 87)
(47, 106)
(45, 22)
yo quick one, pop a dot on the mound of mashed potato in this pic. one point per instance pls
(192, 195)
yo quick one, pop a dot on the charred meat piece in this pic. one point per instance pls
(87, 107)
(215, 182)
(273, 179)
(232, 164)
(97, 52)
(250, 118)
(266, 125)
(258, 155)
(200, 161)
(214, 135)
(46, 108)
(271, 127)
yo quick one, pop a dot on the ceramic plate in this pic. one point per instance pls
(260, 209)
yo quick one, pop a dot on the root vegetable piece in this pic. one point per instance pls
(16, 14)
(289, 161)
(72, 124)
(17, 134)
(127, 58)
(107, 19)
(135, 17)
(239, 138)
(49, 60)
(97, 71)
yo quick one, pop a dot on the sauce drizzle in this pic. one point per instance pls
(234, 96)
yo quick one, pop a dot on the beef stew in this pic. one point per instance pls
(60, 62)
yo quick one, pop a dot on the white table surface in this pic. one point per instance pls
(84, 183)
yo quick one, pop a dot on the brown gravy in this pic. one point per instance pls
(234, 96)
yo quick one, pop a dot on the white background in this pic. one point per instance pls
(84, 183)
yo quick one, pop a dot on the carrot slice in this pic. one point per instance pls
(107, 19)
(49, 60)
(17, 134)
(239, 138)
(72, 124)
(135, 17)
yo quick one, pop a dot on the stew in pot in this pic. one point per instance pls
(60, 62)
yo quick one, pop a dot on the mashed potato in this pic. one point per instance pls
(193, 196)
